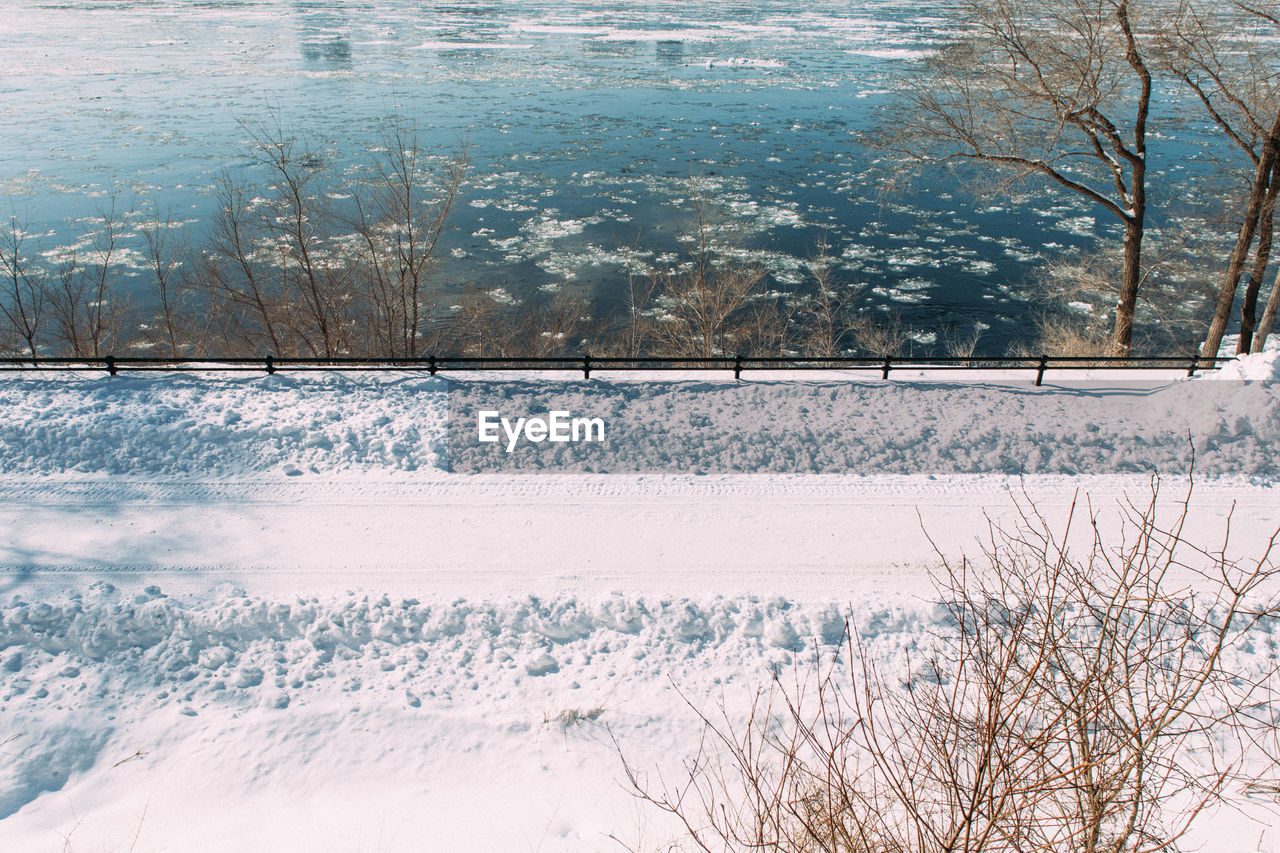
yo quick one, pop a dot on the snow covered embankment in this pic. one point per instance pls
(118, 705)
(237, 722)
(217, 427)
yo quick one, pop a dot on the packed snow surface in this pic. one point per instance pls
(249, 612)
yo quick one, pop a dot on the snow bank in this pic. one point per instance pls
(77, 651)
(1257, 367)
(104, 695)
(210, 723)
(216, 425)
(866, 428)
(176, 426)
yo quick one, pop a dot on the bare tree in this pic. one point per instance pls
(707, 300)
(318, 275)
(177, 315)
(1268, 320)
(87, 312)
(251, 296)
(25, 283)
(1223, 54)
(400, 216)
(1050, 89)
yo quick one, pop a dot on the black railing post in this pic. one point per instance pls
(586, 367)
(1044, 362)
(737, 367)
(271, 365)
(885, 373)
(111, 364)
(431, 365)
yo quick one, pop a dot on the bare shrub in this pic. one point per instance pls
(872, 335)
(571, 717)
(401, 211)
(24, 289)
(87, 312)
(957, 344)
(826, 328)
(826, 319)
(1072, 701)
(555, 326)
(706, 309)
(487, 323)
(708, 300)
(640, 324)
(1064, 336)
(313, 264)
(180, 325)
(831, 324)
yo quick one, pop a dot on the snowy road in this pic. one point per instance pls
(487, 534)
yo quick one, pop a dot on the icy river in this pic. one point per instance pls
(590, 125)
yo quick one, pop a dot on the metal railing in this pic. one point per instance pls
(585, 364)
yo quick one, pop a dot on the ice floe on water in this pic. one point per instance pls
(892, 52)
(472, 45)
(745, 62)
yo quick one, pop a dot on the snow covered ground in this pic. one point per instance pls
(247, 613)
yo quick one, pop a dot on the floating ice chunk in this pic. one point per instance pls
(745, 62)
(471, 45)
(658, 35)
(892, 52)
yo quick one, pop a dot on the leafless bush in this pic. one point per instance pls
(825, 318)
(555, 326)
(872, 335)
(638, 330)
(571, 717)
(1063, 335)
(400, 214)
(486, 323)
(317, 265)
(180, 325)
(1074, 701)
(957, 344)
(706, 301)
(25, 288)
(86, 311)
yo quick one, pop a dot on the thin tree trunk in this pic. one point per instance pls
(1135, 216)
(1268, 317)
(1130, 278)
(1266, 228)
(1244, 239)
